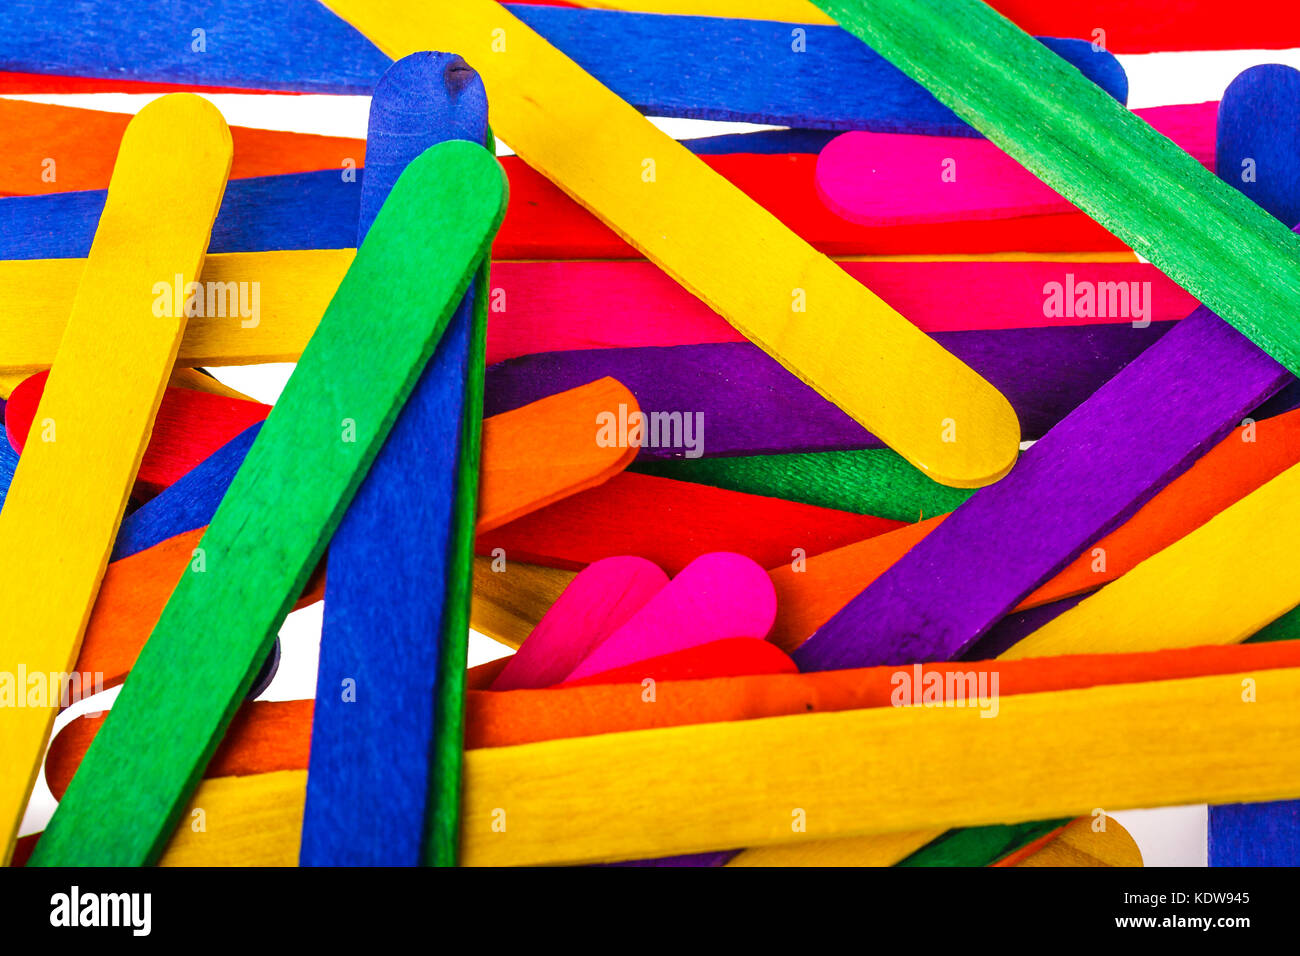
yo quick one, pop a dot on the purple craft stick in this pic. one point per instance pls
(753, 406)
(1083, 479)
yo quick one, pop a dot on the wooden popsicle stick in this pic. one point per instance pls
(886, 179)
(189, 427)
(718, 595)
(1259, 158)
(666, 203)
(723, 658)
(1243, 461)
(595, 604)
(538, 309)
(508, 604)
(1131, 26)
(730, 398)
(701, 787)
(1217, 244)
(381, 789)
(157, 542)
(443, 210)
(67, 148)
(273, 735)
(626, 515)
(1081, 845)
(56, 532)
(830, 80)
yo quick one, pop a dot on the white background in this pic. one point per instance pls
(1168, 837)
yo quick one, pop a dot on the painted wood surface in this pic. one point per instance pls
(69, 491)
(261, 551)
(718, 595)
(758, 75)
(883, 179)
(854, 349)
(596, 603)
(560, 306)
(730, 398)
(379, 787)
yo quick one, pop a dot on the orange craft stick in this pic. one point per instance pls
(1248, 458)
(560, 428)
(275, 735)
(81, 145)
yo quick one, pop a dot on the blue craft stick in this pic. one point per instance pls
(704, 67)
(370, 779)
(1258, 151)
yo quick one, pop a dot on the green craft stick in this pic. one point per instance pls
(874, 481)
(1206, 236)
(286, 500)
(979, 846)
(442, 836)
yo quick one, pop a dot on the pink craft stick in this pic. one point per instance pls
(885, 179)
(718, 595)
(567, 306)
(599, 601)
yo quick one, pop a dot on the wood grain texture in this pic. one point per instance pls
(1258, 157)
(595, 604)
(756, 74)
(1132, 26)
(376, 793)
(82, 143)
(509, 603)
(887, 179)
(1081, 845)
(559, 306)
(443, 210)
(671, 523)
(854, 349)
(68, 492)
(1232, 255)
(732, 399)
(1243, 461)
(697, 788)
(189, 427)
(718, 595)
(267, 736)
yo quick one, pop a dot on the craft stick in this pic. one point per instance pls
(627, 514)
(1254, 834)
(541, 309)
(56, 530)
(830, 80)
(381, 790)
(726, 657)
(261, 553)
(512, 597)
(65, 148)
(273, 735)
(1081, 845)
(1243, 461)
(700, 787)
(726, 399)
(718, 595)
(886, 179)
(1259, 158)
(1131, 26)
(595, 604)
(158, 542)
(828, 347)
(874, 481)
(189, 427)
(1214, 242)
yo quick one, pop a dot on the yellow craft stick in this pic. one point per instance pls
(1218, 585)
(1081, 845)
(737, 783)
(68, 493)
(788, 11)
(295, 286)
(795, 303)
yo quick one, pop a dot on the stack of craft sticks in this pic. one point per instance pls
(916, 482)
